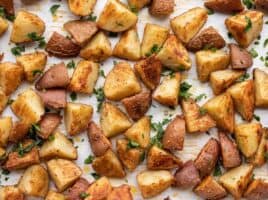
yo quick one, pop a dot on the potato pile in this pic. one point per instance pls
(152, 71)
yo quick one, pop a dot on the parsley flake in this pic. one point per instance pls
(100, 97)
(17, 50)
(184, 88)
(249, 24)
(89, 159)
(54, 8)
(71, 65)
(132, 144)
(73, 96)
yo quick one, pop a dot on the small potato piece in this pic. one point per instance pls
(11, 193)
(138, 4)
(35, 181)
(120, 193)
(152, 183)
(77, 117)
(240, 58)
(140, 132)
(121, 82)
(221, 109)
(80, 186)
(223, 79)
(33, 64)
(53, 98)
(261, 3)
(174, 55)
(98, 49)
(84, 77)
(116, 17)
(208, 61)
(257, 190)
(3, 100)
(173, 138)
(108, 165)
(162, 7)
(48, 124)
(63, 172)
(99, 190)
(153, 36)
(5, 130)
(260, 86)
(51, 195)
(188, 24)
(3, 26)
(24, 24)
(19, 131)
(210, 189)
(225, 6)
(112, 120)
(8, 5)
(82, 7)
(28, 106)
(238, 26)
(236, 180)
(167, 93)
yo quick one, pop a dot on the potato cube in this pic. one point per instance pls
(3, 26)
(260, 86)
(51, 195)
(257, 189)
(99, 190)
(161, 8)
(11, 193)
(82, 7)
(5, 130)
(138, 4)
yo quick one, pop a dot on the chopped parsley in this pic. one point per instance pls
(21, 150)
(229, 35)
(168, 72)
(54, 8)
(265, 42)
(4, 14)
(100, 97)
(249, 24)
(36, 72)
(266, 156)
(200, 97)
(254, 53)
(10, 101)
(89, 159)
(101, 73)
(159, 129)
(132, 144)
(142, 157)
(35, 37)
(71, 65)
(248, 3)
(217, 170)
(17, 50)
(91, 17)
(73, 96)
(210, 12)
(51, 137)
(155, 49)
(95, 175)
(134, 9)
(243, 78)
(83, 195)
(256, 117)
(5, 172)
(184, 88)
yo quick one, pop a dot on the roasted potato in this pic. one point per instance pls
(3, 26)
(48, 124)
(223, 79)
(35, 181)
(24, 24)
(261, 3)
(121, 82)
(257, 190)
(120, 193)
(19, 131)
(82, 7)
(63, 172)
(112, 120)
(51, 195)
(33, 64)
(11, 193)
(221, 109)
(188, 24)
(138, 4)
(154, 37)
(240, 58)
(116, 17)
(225, 6)
(3, 100)
(80, 186)
(208, 61)
(260, 85)
(77, 117)
(99, 190)
(108, 165)
(236, 180)
(53, 98)
(174, 55)
(167, 93)
(140, 132)
(245, 26)
(98, 49)
(8, 5)
(5, 130)
(210, 189)
(162, 7)
(151, 183)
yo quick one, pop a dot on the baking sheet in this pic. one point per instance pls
(193, 143)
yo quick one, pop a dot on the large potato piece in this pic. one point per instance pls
(122, 192)
(226, 6)
(81, 7)
(240, 58)
(99, 190)
(11, 193)
(5, 130)
(257, 190)
(260, 86)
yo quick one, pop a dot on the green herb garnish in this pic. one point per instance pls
(73, 96)
(210, 12)
(89, 159)
(256, 117)
(217, 170)
(184, 88)
(16, 51)
(200, 97)
(243, 78)
(248, 3)
(54, 8)
(132, 144)
(253, 53)
(95, 175)
(249, 24)
(155, 49)
(159, 129)
(265, 42)
(83, 195)
(101, 73)
(100, 97)
(35, 37)
(10, 101)
(91, 17)
(51, 137)
(71, 65)
(37, 71)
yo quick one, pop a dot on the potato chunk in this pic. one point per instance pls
(226, 6)
(116, 17)
(138, 4)
(240, 58)
(162, 7)
(24, 24)
(257, 190)
(48, 124)
(80, 186)
(261, 4)
(120, 193)
(152, 183)
(11, 193)
(51, 195)
(81, 7)
(19, 131)
(5, 130)
(188, 24)
(8, 5)
(260, 86)
(3, 26)
(245, 26)
(99, 190)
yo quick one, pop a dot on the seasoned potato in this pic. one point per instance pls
(174, 55)
(223, 79)
(151, 183)
(257, 190)
(235, 180)
(261, 3)
(3, 26)
(195, 120)
(154, 37)
(108, 165)
(99, 190)
(51, 195)
(140, 132)
(84, 77)
(24, 24)
(48, 124)
(63, 172)
(240, 58)
(208, 61)
(53, 98)
(112, 120)
(121, 82)
(3, 100)
(35, 181)
(221, 109)
(80, 186)
(33, 64)
(10, 83)
(19, 131)
(210, 189)
(162, 7)
(11, 193)
(82, 7)
(225, 6)
(238, 26)
(8, 5)
(98, 49)
(77, 117)
(243, 98)
(167, 93)
(138, 4)
(260, 87)
(188, 24)
(59, 146)
(116, 17)
(128, 47)
(5, 130)
(120, 193)
(28, 106)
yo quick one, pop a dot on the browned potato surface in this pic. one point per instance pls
(257, 190)
(162, 7)
(122, 192)
(80, 186)
(240, 58)
(225, 5)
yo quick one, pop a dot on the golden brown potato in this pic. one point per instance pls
(11, 193)
(138, 4)
(116, 17)
(34, 181)
(257, 190)
(33, 64)
(260, 87)
(99, 190)
(236, 180)
(108, 165)
(5, 130)
(162, 7)
(121, 82)
(63, 172)
(19, 131)
(221, 109)
(3, 26)
(77, 117)
(210, 189)
(240, 58)
(223, 79)
(51, 195)
(208, 61)
(82, 7)
(152, 183)
(225, 6)
(3, 100)
(48, 124)
(188, 24)
(245, 26)
(120, 193)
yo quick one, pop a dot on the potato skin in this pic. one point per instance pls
(240, 58)
(225, 6)
(81, 185)
(162, 7)
(257, 190)
(8, 5)
(3, 100)
(262, 3)
(11, 193)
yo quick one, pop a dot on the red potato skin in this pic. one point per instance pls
(225, 6)
(262, 3)
(162, 7)
(48, 123)
(257, 190)
(240, 58)
(54, 98)
(73, 193)
(8, 5)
